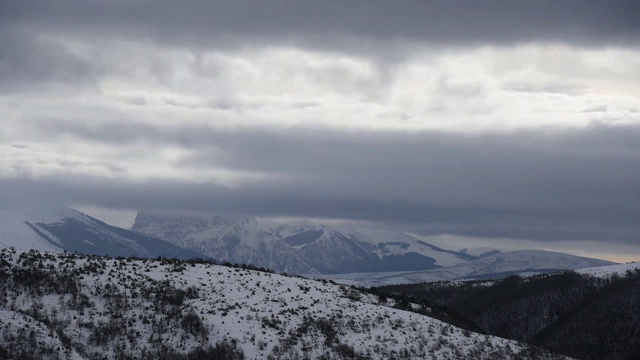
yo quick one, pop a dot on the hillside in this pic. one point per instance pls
(16, 232)
(580, 315)
(59, 305)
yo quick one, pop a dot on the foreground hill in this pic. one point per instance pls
(496, 266)
(296, 249)
(59, 228)
(590, 315)
(57, 305)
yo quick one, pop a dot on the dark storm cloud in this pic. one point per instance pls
(450, 22)
(573, 184)
(549, 185)
(27, 61)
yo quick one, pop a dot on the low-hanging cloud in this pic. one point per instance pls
(580, 183)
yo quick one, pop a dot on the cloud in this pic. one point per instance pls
(495, 119)
(29, 61)
(323, 22)
(597, 108)
(528, 184)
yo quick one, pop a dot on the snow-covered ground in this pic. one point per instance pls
(522, 262)
(607, 271)
(145, 302)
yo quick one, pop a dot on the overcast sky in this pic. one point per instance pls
(502, 123)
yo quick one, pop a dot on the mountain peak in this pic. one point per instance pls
(40, 211)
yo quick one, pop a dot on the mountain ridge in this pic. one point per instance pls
(491, 267)
(307, 249)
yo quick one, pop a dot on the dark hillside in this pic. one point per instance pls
(577, 315)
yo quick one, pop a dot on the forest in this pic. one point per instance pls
(581, 316)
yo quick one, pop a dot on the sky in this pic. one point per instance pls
(513, 124)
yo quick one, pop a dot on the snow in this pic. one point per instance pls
(386, 242)
(409, 244)
(237, 239)
(18, 327)
(14, 232)
(258, 310)
(525, 262)
(608, 271)
(479, 251)
(245, 240)
(39, 212)
(14, 216)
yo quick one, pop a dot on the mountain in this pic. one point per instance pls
(491, 267)
(236, 239)
(296, 249)
(480, 252)
(16, 232)
(61, 305)
(58, 228)
(365, 250)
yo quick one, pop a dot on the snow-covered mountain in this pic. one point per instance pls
(16, 232)
(57, 228)
(491, 267)
(236, 239)
(296, 249)
(365, 250)
(480, 252)
(87, 307)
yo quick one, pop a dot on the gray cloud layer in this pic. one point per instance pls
(578, 184)
(124, 62)
(495, 21)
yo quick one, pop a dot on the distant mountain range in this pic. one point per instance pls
(296, 249)
(367, 256)
(520, 262)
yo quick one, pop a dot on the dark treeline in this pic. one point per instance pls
(569, 313)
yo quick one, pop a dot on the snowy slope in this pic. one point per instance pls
(137, 308)
(330, 251)
(491, 267)
(480, 251)
(395, 243)
(18, 219)
(608, 271)
(28, 225)
(19, 328)
(15, 232)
